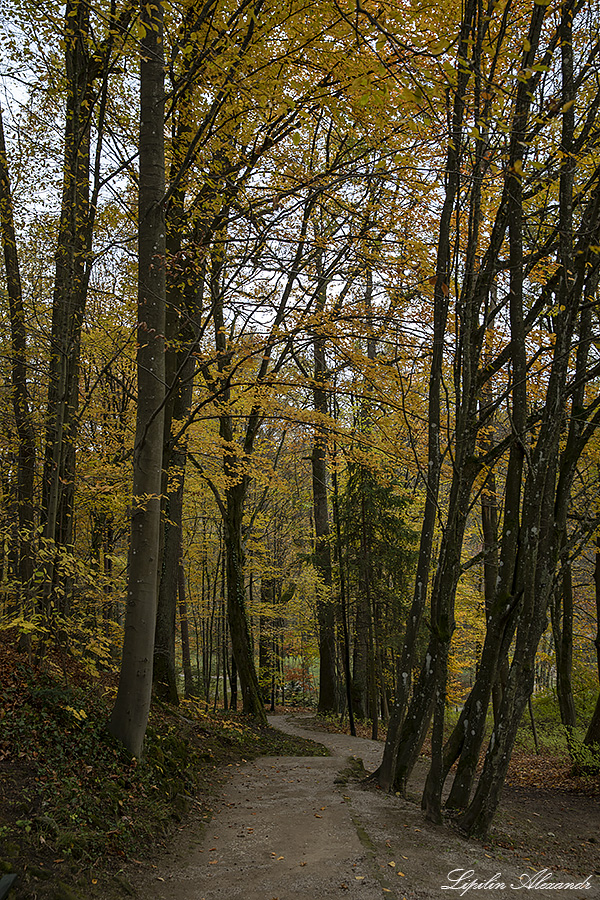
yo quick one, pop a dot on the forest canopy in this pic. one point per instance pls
(299, 353)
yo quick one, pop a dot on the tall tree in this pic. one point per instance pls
(325, 608)
(386, 775)
(539, 489)
(20, 393)
(130, 714)
(86, 88)
(536, 484)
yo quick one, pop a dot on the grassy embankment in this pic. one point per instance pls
(73, 806)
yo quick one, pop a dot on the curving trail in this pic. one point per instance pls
(294, 828)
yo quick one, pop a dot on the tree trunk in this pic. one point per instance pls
(533, 580)
(185, 287)
(266, 636)
(239, 627)
(387, 774)
(562, 631)
(365, 568)
(130, 714)
(164, 672)
(73, 268)
(173, 481)
(545, 496)
(325, 609)
(232, 506)
(592, 736)
(533, 576)
(20, 394)
(344, 604)
(233, 682)
(492, 670)
(469, 731)
(506, 591)
(360, 660)
(188, 681)
(70, 291)
(443, 595)
(489, 527)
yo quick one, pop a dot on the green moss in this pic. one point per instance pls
(124, 885)
(354, 770)
(41, 874)
(65, 892)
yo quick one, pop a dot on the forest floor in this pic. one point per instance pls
(220, 808)
(290, 828)
(74, 806)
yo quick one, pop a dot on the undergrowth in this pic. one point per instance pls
(74, 805)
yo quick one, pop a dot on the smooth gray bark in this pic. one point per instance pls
(129, 717)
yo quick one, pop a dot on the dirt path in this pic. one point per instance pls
(296, 828)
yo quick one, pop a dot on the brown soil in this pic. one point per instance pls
(290, 828)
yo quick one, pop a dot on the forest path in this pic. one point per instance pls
(294, 828)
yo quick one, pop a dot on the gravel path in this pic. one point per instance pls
(295, 828)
